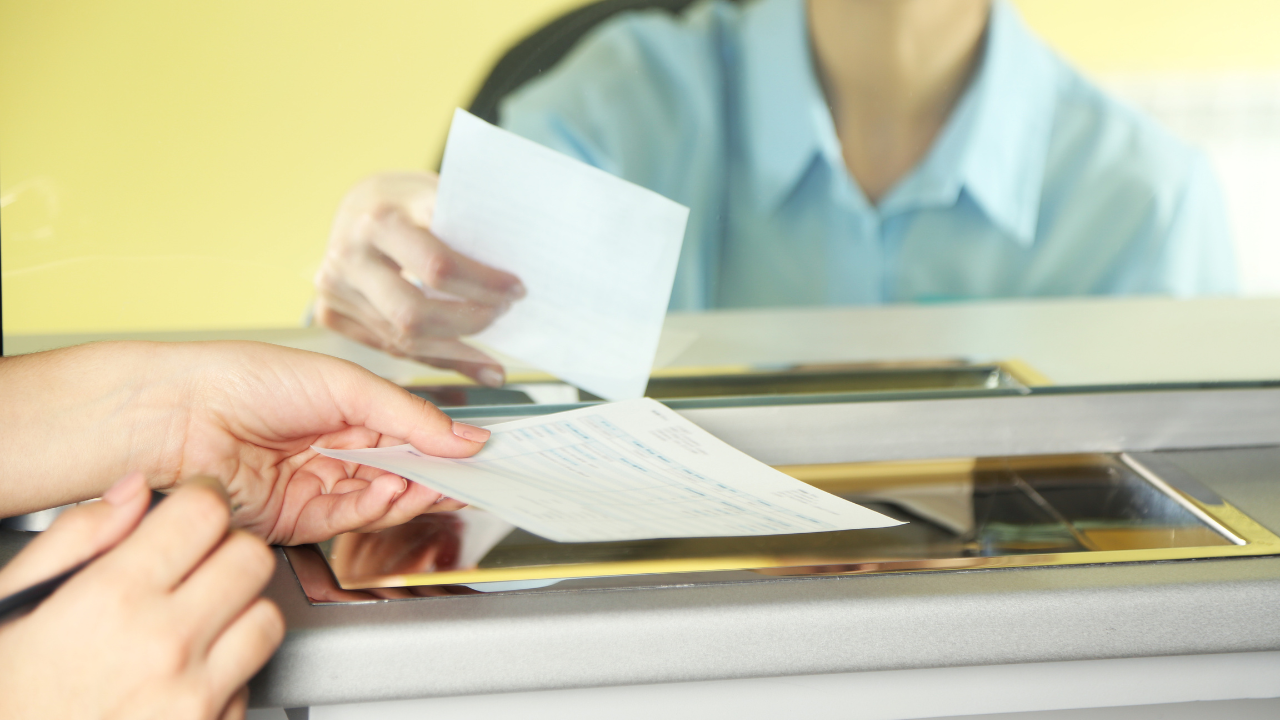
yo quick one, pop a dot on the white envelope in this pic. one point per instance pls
(596, 253)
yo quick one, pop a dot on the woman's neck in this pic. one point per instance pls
(892, 71)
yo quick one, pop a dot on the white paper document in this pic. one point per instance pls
(622, 471)
(596, 253)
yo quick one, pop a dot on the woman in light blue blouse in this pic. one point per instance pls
(831, 152)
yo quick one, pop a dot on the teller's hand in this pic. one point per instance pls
(379, 237)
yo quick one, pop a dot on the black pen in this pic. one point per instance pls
(28, 598)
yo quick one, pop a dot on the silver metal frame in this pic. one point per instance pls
(562, 638)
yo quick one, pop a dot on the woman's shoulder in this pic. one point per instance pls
(643, 86)
(650, 55)
(1118, 176)
(1099, 138)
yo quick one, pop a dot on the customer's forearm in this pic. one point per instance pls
(74, 420)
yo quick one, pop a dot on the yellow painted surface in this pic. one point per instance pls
(175, 166)
(1141, 36)
(170, 165)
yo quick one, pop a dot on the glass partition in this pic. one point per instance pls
(920, 196)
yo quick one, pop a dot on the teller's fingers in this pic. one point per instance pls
(328, 315)
(182, 530)
(460, 357)
(243, 648)
(411, 313)
(353, 316)
(369, 289)
(334, 289)
(223, 585)
(439, 266)
(346, 311)
(420, 203)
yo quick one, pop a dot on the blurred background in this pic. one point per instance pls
(196, 153)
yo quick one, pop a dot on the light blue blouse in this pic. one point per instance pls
(1038, 185)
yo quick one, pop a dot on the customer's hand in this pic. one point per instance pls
(379, 237)
(244, 413)
(168, 623)
(259, 409)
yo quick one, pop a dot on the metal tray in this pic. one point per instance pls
(961, 514)
(937, 376)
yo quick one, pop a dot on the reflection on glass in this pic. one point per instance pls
(822, 170)
(831, 153)
(436, 542)
(320, 586)
(863, 153)
(959, 514)
(834, 378)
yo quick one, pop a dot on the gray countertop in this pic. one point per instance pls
(1074, 341)
(553, 638)
(564, 638)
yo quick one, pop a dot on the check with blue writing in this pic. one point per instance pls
(622, 471)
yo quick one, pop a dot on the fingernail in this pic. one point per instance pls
(517, 291)
(440, 499)
(404, 485)
(125, 488)
(491, 377)
(470, 432)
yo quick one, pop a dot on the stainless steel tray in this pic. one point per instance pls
(961, 514)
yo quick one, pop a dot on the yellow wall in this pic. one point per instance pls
(175, 165)
(1140, 36)
(169, 165)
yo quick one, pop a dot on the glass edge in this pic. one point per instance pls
(481, 411)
